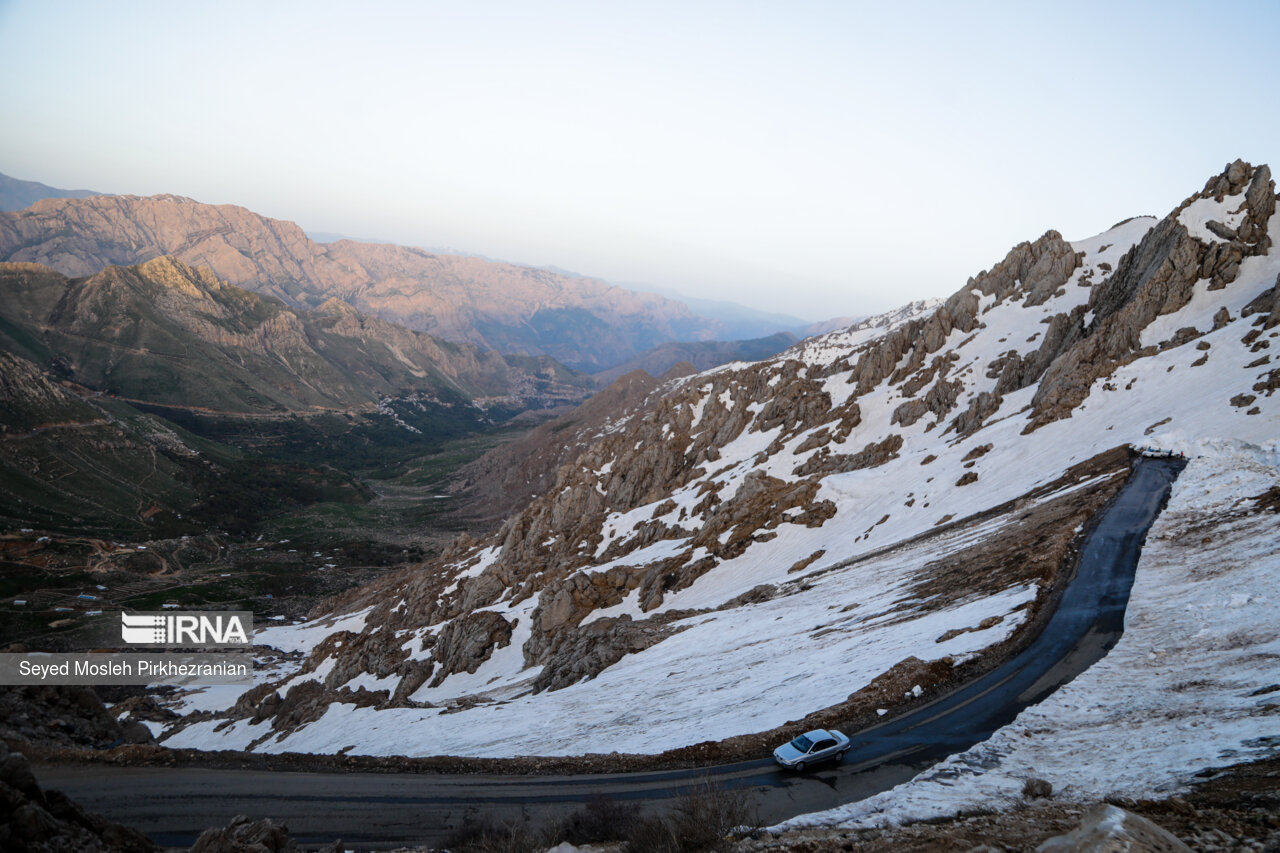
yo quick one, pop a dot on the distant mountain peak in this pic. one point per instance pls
(17, 194)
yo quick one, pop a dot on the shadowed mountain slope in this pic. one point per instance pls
(165, 333)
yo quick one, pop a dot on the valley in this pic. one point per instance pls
(639, 428)
(482, 571)
(279, 563)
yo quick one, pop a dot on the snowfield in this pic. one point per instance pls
(819, 642)
(1193, 683)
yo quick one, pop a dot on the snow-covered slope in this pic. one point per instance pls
(1191, 684)
(759, 542)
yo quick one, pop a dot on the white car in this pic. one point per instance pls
(812, 747)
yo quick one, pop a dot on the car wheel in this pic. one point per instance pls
(840, 755)
(799, 766)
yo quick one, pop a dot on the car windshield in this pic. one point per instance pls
(802, 743)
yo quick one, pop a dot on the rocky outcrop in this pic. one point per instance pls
(467, 641)
(585, 651)
(982, 406)
(1031, 272)
(33, 820)
(1267, 305)
(63, 716)
(873, 455)
(1156, 277)
(245, 835)
(940, 399)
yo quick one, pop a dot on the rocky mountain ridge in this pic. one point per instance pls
(168, 334)
(727, 496)
(582, 322)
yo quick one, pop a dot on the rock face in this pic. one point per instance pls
(168, 334)
(1110, 829)
(582, 322)
(37, 821)
(243, 835)
(62, 716)
(700, 488)
(1156, 277)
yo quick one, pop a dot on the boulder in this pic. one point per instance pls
(1110, 829)
(37, 821)
(243, 835)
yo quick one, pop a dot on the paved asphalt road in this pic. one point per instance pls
(372, 810)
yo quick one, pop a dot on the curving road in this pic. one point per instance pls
(371, 810)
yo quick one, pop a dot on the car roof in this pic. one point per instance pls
(818, 734)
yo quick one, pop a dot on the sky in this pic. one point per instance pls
(819, 159)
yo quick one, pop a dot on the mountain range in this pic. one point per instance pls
(703, 355)
(166, 334)
(584, 323)
(16, 194)
(831, 533)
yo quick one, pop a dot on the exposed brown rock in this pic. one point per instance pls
(467, 641)
(244, 835)
(982, 406)
(585, 651)
(1268, 305)
(978, 452)
(36, 821)
(874, 454)
(801, 565)
(1155, 277)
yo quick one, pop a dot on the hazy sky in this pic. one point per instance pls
(816, 158)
